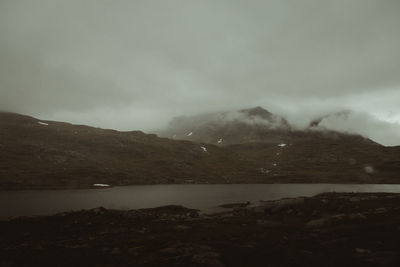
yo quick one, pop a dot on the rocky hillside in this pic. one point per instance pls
(283, 153)
(35, 153)
(48, 154)
(322, 160)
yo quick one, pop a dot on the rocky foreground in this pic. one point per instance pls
(325, 230)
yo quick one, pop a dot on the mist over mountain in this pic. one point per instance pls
(362, 123)
(230, 127)
(260, 125)
(136, 64)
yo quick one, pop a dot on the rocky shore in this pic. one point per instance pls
(326, 230)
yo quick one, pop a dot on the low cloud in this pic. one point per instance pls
(137, 64)
(29, 85)
(385, 133)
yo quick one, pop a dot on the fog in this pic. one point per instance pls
(137, 64)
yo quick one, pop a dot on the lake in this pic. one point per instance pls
(200, 196)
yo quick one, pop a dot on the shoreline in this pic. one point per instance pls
(85, 187)
(357, 229)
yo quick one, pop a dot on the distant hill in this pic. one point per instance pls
(255, 147)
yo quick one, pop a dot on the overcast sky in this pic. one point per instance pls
(135, 64)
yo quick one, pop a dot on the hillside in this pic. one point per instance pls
(35, 153)
(284, 153)
(49, 154)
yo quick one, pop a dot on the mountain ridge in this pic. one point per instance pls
(246, 126)
(49, 154)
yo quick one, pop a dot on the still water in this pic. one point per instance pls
(203, 197)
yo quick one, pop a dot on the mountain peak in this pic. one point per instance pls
(257, 111)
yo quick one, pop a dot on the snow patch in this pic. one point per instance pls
(219, 141)
(282, 145)
(274, 164)
(369, 169)
(265, 171)
(43, 123)
(101, 185)
(204, 149)
(190, 134)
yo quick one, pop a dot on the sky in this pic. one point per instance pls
(133, 65)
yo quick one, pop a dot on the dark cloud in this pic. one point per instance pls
(136, 64)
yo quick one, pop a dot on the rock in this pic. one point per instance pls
(278, 205)
(384, 258)
(6, 263)
(182, 227)
(269, 223)
(179, 248)
(99, 210)
(134, 250)
(362, 251)
(380, 210)
(199, 254)
(355, 199)
(235, 205)
(142, 230)
(317, 223)
(207, 258)
(258, 209)
(77, 246)
(356, 216)
(116, 251)
(169, 250)
(300, 213)
(224, 215)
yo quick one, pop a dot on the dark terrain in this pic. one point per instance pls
(33, 155)
(256, 147)
(325, 230)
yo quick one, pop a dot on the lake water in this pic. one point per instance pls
(203, 197)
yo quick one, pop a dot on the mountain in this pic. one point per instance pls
(283, 153)
(255, 125)
(37, 153)
(256, 147)
(226, 128)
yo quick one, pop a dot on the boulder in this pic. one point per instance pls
(279, 205)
